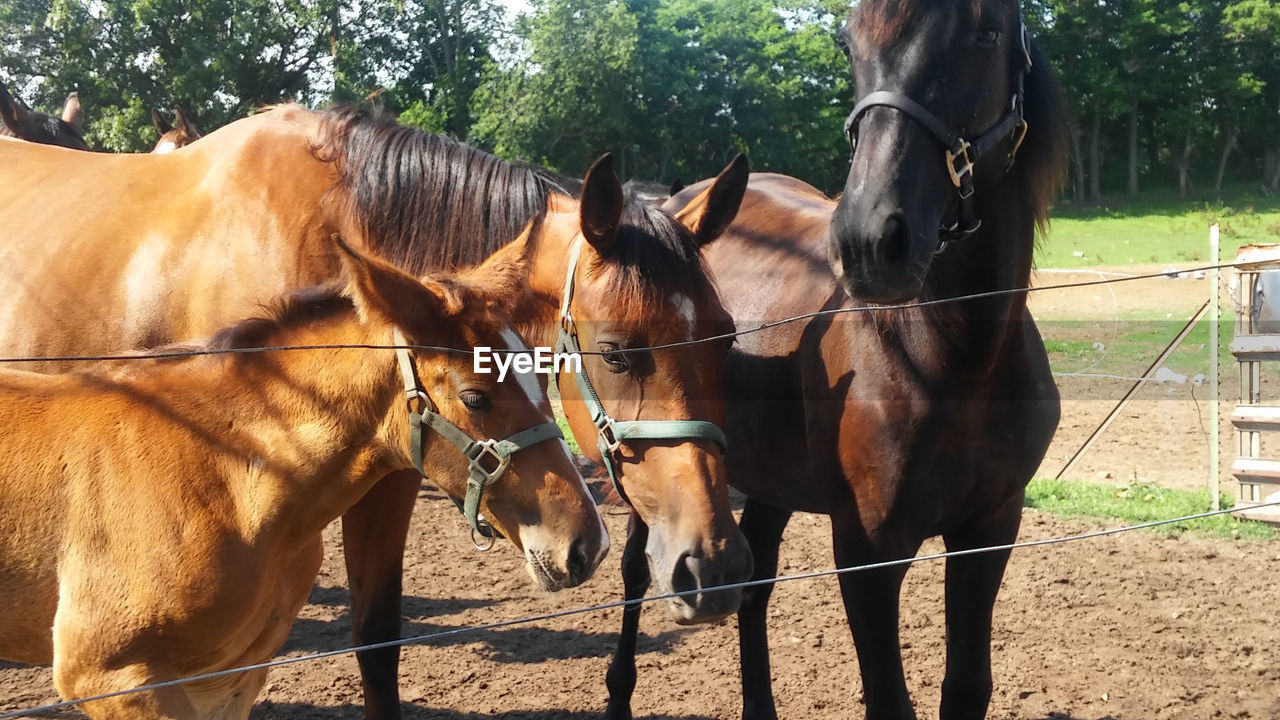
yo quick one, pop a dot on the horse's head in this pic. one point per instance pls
(472, 427)
(939, 119)
(652, 417)
(19, 122)
(173, 136)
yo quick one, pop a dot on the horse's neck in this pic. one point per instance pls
(536, 313)
(319, 425)
(972, 333)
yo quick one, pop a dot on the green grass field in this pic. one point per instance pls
(1141, 503)
(1156, 228)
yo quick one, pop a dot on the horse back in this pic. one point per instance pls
(111, 252)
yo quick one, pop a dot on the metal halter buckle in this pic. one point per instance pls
(965, 169)
(488, 449)
(611, 441)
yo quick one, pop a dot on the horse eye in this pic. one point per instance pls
(616, 362)
(843, 44)
(475, 400)
(988, 38)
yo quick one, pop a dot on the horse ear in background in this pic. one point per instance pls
(161, 125)
(710, 213)
(173, 137)
(18, 121)
(71, 113)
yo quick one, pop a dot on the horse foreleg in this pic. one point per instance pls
(621, 678)
(81, 677)
(763, 526)
(871, 606)
(972, 584)
(374, 531)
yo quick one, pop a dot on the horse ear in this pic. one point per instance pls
(71, 114)
(187, 128)
(380, 289)
(709, 214)
(162, 126)
(12, 114)
(600, 205)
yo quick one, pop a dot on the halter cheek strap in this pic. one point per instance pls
(487, 459)
(610, 433)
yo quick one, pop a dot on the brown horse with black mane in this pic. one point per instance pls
(17, 121)
(899, 424)
(174, 246)
(176, 529)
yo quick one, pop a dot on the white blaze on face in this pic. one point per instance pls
(164, 147)
(528, 381)
(687, 311)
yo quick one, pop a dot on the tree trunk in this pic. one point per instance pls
(1077, 161)
(1271, 175)
(1184, 162)
(1095, 155)
(1227, 146)
(1133, 148)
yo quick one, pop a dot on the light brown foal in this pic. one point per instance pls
(162, 518)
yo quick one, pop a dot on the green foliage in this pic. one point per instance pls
(1138, 502)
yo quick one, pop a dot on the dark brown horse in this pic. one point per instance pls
(898, 424)
(174, 246)
(17, 121)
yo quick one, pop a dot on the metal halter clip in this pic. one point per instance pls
(965, 169)
(488, 449)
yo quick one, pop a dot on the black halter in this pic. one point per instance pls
(961, 154)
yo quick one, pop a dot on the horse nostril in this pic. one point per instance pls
(895, 241)
(684, 576)
(579, 561)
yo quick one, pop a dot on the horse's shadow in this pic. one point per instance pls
(515, 644)
(273, 711)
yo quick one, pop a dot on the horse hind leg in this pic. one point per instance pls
(621, 677)
(763, 526)
(972, 584)
(871, 605)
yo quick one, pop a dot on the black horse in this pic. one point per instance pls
(16, 120)
(898, 424)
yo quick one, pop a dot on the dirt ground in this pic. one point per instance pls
(1162, 435)
(1127, 627)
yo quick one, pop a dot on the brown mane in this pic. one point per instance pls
(1042, 162)
(426, 202)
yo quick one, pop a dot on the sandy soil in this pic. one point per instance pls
(1132, 626)
(1136, 626)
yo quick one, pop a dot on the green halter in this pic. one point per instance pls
(611, 434)
(487, 459)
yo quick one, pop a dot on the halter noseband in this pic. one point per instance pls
(487, 459)
(610, 433)
(961, 155)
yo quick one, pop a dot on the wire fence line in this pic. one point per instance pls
(187, 352)
(502, 624)
(921, 304)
